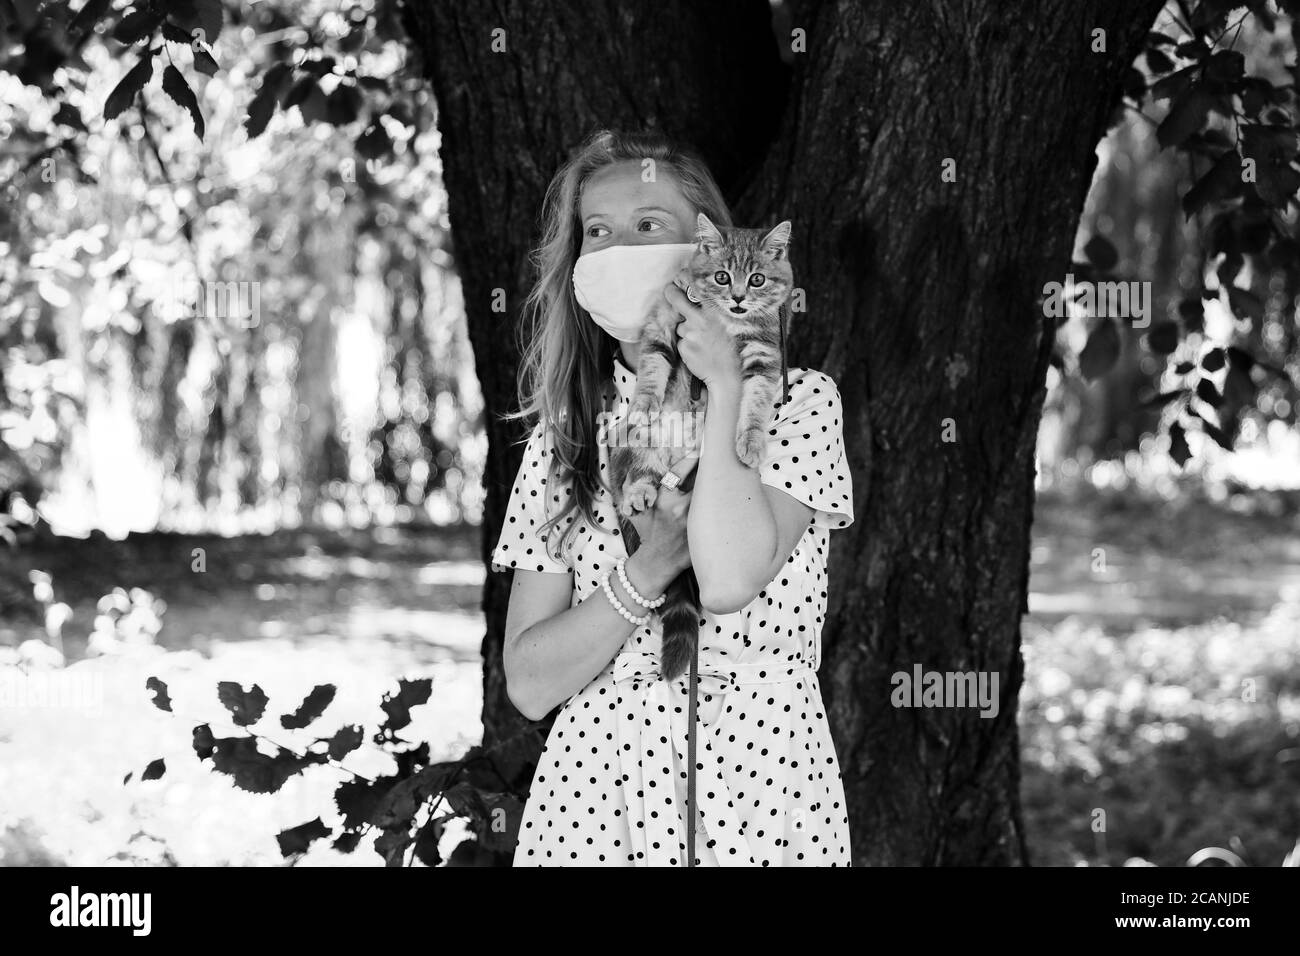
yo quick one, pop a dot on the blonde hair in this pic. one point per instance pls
(567, 359)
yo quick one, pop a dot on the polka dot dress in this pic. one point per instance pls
(610, 788)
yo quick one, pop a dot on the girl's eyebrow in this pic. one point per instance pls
(639, 209)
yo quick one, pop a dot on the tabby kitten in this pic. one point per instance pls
(743, 276)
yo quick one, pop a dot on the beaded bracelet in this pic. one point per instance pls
(621, 566)
(618, 605)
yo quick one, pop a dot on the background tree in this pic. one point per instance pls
(935, 161)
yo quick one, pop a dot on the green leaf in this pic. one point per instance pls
(358, 800)
(374, 142)
(204, 743)
(500, 828)
(90, 14)
(1101, 351)
(1223, 181)
(67, 115)
(1163, 337)
(124, 93)
(312, 707)
(161, 699)
(262, 108)
(1187, 114)
(137, 25)
(204, 63)
(1158, 61)
(1175, 83)
(1192, 311)
(410, 693)
(1273, 148)
(347, 841)
(206, 16)
(1225, 69)
(254, 771)
(1239, 389)
(1245, 304)
(344, 741)
(155, 770)
(427, 839)
(1178, 449)
(318, 68)
(344, 105)
(301, 90)
(174, 34)
(392, 846)
(247, 707)
(1101, 253)
(315, 107)
(1207, 393)
(174, 85)
(298, 839)
(1240, 358)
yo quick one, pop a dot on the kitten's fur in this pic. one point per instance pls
(752, 316)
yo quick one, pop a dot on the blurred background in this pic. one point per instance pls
(295, 500)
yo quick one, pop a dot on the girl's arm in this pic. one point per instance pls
(740, 531)
(553, 650)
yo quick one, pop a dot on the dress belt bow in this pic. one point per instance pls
(652, 740)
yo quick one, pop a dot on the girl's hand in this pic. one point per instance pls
(706, 347)
(664, 553)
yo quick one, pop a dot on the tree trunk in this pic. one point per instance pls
(922, 303)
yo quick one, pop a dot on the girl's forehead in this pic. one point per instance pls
(628, 185)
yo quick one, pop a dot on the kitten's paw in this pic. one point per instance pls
(638, 496)
(750, 445)
(643, 409)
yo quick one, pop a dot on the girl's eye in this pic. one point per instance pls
(595, 232)
(757, 279)
(721, 278)
(647, 225)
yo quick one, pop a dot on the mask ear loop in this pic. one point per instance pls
(785, 369)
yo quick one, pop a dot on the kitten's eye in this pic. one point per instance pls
(721, 278)
(757, 280)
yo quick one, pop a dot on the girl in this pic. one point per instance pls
(610, 788)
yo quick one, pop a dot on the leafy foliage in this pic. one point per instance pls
(406, 811)
(348, 68)
(1213, 89)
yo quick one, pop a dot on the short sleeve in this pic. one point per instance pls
(805, 450)
(523, 542)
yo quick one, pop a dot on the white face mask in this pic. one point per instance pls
(618, 286)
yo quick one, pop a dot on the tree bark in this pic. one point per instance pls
(922, 303)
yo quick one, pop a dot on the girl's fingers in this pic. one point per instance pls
(677, 299)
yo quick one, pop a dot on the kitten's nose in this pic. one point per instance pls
(739, 298)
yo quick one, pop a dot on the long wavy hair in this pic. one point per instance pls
(568, 360)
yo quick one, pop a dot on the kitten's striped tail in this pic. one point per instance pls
(680, 616)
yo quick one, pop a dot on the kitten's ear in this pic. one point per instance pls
(706, 233)
(777, 242)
